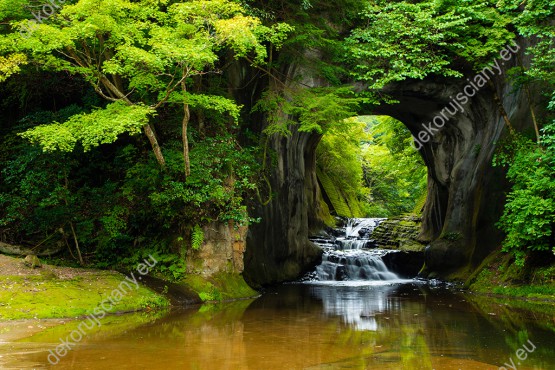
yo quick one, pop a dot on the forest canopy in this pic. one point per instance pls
(128, 123)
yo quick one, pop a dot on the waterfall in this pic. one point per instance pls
(355, 225)
(352, 255)
(353, 265)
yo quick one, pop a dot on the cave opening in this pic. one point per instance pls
(367, 167)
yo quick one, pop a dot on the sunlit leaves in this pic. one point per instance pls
(393, 171)
(313, 110)
(11, 64)
(339, 155)
(101, 126)
(401, 40)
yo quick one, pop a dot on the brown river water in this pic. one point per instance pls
(363, 325)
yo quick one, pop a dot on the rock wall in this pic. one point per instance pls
(465, 193)
(221, 252)
(278, 248)
(400, 233)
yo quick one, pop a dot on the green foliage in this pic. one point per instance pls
(368, 160)
(402, 39)
(339, 152)
(313, 110)
(393, 171)
(11, 64)
(222, 174)
(338, 157)
(197, 237)
(149, 61)
(101, 126)
(535, 19)
(142, 55)
(529, 215)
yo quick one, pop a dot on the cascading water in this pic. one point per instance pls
(353, 265)
(348, 257)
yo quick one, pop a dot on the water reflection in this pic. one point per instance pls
(394, 326)
(357, 305)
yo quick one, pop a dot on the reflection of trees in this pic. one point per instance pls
(298, 327)
(515, 319)
(415, 328)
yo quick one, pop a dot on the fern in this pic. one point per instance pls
(197, 237)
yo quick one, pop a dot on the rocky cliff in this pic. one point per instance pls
(465, 193)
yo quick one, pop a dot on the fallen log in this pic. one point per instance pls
(19, 250)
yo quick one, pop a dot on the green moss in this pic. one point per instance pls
(527, 291)
(420, 202)
(324, 214)
(220, 287)
(234, 286)
(346, 205)
(400, 233)
(46, 296)
(500, 276)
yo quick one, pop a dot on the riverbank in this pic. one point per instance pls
(500, 279)
(67, 292)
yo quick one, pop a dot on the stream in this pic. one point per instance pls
(352, 312)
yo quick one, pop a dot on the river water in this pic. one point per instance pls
(350, 313)
(348, 325)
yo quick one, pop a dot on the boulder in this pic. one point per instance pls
(32, 261)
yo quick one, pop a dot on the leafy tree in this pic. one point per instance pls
(405, 39)
(139, 55)
(529, 214)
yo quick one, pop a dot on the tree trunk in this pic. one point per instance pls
(184, 125)
(149, 132)
(185, 140)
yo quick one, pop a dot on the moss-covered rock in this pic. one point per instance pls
(344, 204)
(399, 233)
(32, 261)
(220, 287)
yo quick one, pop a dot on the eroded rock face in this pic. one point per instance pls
(465, 193)
(458, 157)
(400, 233)
(221, 252)
(278, 248)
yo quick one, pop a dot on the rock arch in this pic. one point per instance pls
(465, 193)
